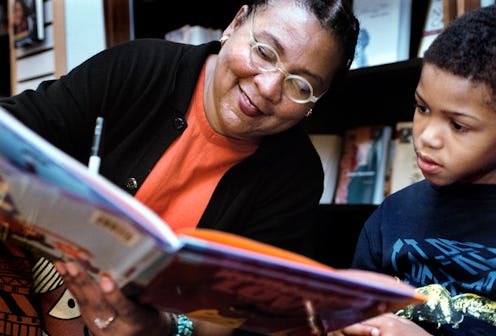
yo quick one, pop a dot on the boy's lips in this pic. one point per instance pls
(427, 165)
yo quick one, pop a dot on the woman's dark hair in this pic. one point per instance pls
(467, 47)
(336, 16)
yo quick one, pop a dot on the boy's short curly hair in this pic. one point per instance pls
(467, 47)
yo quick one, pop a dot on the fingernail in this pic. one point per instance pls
(72, 269)
(375, 332)
(106, 284)
(59, 267)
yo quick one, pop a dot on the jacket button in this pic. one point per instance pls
(131, 184)
(179, 123)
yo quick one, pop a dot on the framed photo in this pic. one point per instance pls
(434, 25)
(384, 35)
(28, 22)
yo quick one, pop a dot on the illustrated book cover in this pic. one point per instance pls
(53, 205)
(404, 169)
(362, 169)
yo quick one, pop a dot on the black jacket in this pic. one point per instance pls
(143, 89)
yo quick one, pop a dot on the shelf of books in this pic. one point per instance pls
(367, 163)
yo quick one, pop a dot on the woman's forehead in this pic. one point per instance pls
(303, 39)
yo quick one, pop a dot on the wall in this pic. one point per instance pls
(85, 30)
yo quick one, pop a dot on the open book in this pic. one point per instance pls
(53, 205)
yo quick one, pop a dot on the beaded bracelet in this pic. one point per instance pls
(183, 326)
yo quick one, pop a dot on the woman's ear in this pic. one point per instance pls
(240, 17)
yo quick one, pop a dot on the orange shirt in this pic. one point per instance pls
(181, 183)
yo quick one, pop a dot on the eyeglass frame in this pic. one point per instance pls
(280, 67)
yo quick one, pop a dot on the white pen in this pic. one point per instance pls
(94, 161)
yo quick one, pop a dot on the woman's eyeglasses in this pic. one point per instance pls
(265, 58)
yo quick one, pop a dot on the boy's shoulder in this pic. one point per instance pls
(411, 191)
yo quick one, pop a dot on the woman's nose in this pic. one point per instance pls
(270, 84)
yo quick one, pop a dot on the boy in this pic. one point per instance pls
(439, 234)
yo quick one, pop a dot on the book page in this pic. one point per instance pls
(53, 204)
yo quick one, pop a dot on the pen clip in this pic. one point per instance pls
(94, 161)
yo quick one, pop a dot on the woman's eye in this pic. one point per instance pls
(266, 53)
(300, 87)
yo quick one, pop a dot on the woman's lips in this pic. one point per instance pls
(247, 107)
(427, 165)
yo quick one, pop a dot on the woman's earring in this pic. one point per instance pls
(223, 39)
(309, 113)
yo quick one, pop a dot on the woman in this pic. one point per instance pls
(216, 126)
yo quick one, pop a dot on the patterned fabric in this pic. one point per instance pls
(33, 299)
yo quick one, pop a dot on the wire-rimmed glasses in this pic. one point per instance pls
(265, 58)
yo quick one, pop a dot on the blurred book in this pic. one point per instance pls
(434, 25)
(193, 35)
(329, 148)
(389, 168)
(362, 168)
(404, 169)
(384, 35)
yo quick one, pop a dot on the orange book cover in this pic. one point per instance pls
(54, 206)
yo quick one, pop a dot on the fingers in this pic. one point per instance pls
(97, 314)
(385, 325)
(105, 309)
(80, 284)
(123, 306)
(360, 329)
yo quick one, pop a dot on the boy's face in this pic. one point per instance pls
(454, 129)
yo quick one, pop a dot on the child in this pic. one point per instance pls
(439, 234)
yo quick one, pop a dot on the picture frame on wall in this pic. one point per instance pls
(384, 35)
(27, 22)
(434, 25)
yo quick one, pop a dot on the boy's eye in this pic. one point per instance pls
(421, 108)
(458, 127)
